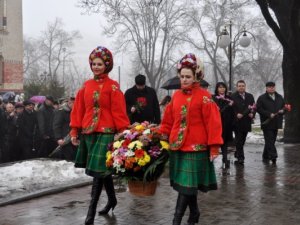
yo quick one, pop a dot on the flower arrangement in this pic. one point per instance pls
(138, 153)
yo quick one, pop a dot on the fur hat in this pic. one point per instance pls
(104, 54)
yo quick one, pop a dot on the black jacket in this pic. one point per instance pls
(151, 112)
(28, 125)
(45, 116)
(61, 122)
(265, 106)
(241, 106)
(227, 116)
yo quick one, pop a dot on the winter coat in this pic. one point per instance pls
(192, 121)
(28, 126)
(149, 111)
(61, 122)
(227, 116)
(242, 106)
(99, 107)
(265, 106)
(45, 116)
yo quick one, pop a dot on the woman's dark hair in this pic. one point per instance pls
(219, 84)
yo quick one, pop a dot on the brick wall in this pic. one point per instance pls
(13, 76)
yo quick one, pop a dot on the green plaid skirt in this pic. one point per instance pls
(91, 154)
(192, 171)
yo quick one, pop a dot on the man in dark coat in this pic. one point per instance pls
(142, 103)
(10, 134)
(270, 106)
(244, 109)
(28, 131)
(1, 129)
(45, 116)
(61, 128)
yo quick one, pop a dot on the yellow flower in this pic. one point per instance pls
(164, 145)
(147, 158)
(117, 144)
(139, 127)
(108, 156)
(142, 162)
(137, 143)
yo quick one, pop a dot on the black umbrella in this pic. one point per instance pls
(171, 84)
(174, 83)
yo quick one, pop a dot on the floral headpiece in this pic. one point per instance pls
(188, 61)
(104, 54)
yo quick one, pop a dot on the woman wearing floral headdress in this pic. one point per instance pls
(99, 112)
(193, 126)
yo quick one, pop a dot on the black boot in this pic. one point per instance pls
(111, 195)
(182, 202)
(95, 194)
(194, 210)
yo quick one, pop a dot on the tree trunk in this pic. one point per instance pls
(291, 81)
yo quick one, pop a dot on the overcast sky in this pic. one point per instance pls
(37, 13)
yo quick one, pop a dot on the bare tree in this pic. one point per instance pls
(44, 58)
(149, 28)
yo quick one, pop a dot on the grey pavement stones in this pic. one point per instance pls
(253, 194)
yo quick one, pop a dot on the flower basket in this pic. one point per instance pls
(138, 154)
(140, 188)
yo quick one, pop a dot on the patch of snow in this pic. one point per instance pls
(21, 178)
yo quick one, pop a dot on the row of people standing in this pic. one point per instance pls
(27, 133)
(238, 111)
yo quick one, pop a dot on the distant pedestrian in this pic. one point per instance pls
(142, 103)
(99, 112)
(61, 128)
(192, 123)
(28, 131)
(270, 106)
(45, 117)
(225, 104)
(244, 109)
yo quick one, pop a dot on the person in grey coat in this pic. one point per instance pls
(270, 107)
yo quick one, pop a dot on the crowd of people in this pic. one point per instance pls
(195, 122)
(29, 130)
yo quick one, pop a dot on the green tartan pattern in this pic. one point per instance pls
(192, 171)
(91, 154)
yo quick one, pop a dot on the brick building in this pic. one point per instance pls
(11, 46)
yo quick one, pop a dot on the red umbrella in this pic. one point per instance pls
(38, 99)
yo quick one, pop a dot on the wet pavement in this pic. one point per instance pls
(252, 194)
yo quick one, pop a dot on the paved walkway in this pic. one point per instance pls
(255, 194)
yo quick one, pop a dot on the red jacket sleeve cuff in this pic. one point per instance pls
(214, 150)
(74, 132)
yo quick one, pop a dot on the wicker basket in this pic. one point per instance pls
(139, 188)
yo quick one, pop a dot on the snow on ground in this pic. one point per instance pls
(22, 178)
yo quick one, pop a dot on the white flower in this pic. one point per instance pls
(129, 153)
(147, 131)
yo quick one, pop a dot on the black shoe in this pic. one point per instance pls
(274, 161)
(239, 161)
(266, 161)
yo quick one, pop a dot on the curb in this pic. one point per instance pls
(43, 193)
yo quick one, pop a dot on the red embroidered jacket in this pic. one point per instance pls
(192, 121)
(99, 107)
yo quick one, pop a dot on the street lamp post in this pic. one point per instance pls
(225, 40)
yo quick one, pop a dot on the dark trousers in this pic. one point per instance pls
(47, 146)
(270, 151)
(240, 138)
(224, 148)
(27, 149)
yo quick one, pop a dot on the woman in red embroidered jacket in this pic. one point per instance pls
(193, 125)
(99, 112)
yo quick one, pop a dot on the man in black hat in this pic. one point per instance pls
(45, 117)
(28, 131)
(270, 107)
(142, 103)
